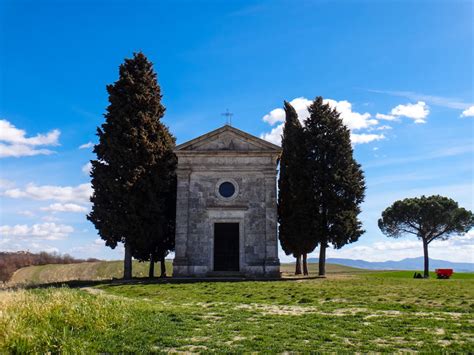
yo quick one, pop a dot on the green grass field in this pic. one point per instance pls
(351, 310)
(409, 274)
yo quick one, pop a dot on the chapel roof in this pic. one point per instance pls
(228, 138)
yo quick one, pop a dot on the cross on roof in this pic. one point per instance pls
(228, 115)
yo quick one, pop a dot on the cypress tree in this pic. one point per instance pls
(336, 182)
(293, 217)
(133, 175)
(155, 202)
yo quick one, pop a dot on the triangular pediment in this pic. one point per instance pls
(227, 138)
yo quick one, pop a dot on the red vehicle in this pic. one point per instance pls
(444, 273)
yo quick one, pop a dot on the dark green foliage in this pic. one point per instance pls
(134, 177)
(336, 182)
(428, 218)
(293, 215)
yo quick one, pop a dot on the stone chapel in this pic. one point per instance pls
(226, 215)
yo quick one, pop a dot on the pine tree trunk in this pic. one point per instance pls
(163, 267)
(322, 260)
(298, 265)
(305, 264)
(127, 263)
(151, 271)
(427, 260)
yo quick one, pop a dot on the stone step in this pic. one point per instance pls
(225, 274)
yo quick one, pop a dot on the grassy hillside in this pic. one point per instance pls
(102, 270)
(289, 269)
(12, 261)
(105, 270)
(362, 313)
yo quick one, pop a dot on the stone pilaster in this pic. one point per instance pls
(180, 263)
(272, 264)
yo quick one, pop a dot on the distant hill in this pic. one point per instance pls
(405, 264)
(12, 261)
(99, 270)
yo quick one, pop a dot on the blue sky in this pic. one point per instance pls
(400, 72)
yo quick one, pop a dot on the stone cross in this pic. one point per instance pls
(228, 115)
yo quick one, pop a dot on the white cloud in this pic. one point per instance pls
(20, 150)
(276, 115)
(79, 194)
(86, 145)
(15, 244)
(14, 143)
(300, 104)
(90, 248)
(50, 219)
(418, 111)
(274, 136)
(382, 116)
(86, 169)
(6, 184)
(26, 213)
(10, 134)
(353, 120)
(64, 207)
(379, 128)
(469, 112)
(362, 138)
(97, 248)
(44, 231)
(383, 128)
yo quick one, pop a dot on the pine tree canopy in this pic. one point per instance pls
(133, 176)
(337, 181)
(428, 218)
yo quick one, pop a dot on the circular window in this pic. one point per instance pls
(226, 189)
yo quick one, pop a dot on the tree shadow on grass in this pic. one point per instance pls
(148, 281)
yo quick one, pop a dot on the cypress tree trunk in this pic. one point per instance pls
(163, 267)
(127, 263)
(298, 265)
(427, 260)
(151, 271)
(322, 260)
(305, 264)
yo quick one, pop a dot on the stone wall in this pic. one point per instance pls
(201, 169)
(199, 207)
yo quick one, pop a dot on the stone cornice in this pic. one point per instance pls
(265, 145)
(227, 153)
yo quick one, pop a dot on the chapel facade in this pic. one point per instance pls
(226, 216)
